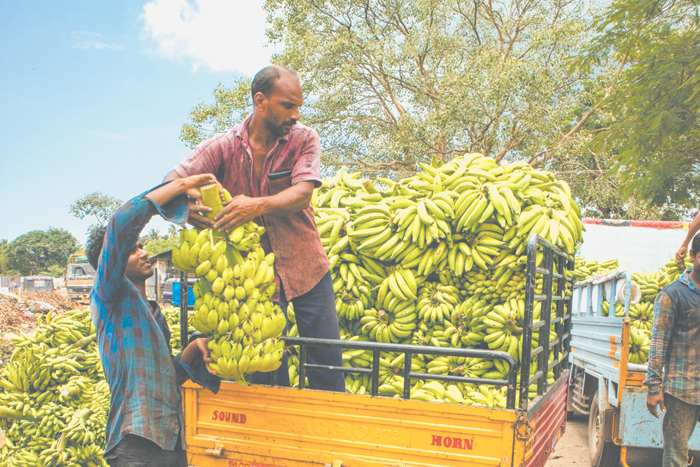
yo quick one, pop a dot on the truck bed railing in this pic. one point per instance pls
(408, 350)
(554, 265)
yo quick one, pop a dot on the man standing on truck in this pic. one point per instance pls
(271, 164)
(675, 354)
(145, 420)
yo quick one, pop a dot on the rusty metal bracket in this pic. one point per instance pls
(217, 450)
(522, 421)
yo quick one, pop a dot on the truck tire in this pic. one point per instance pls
(602, 453)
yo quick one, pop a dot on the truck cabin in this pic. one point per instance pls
(37, 284)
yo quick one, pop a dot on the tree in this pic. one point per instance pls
(655, 136)
(39, 251)
(156, 247)
(97, 205)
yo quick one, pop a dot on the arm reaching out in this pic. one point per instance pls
(692, 230)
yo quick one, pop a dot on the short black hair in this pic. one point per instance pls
(264, 80)
(695, 244)
(93, 247)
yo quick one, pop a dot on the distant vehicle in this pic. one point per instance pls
(171, 292)
(79, 278)
(37, 284)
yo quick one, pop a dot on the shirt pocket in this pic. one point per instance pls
(278, 184)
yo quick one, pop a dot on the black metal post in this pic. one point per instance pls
(527, 326)
(184, 325)
(546, 314)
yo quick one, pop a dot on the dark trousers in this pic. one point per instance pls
(678, 425)
(317, 317)
(135, 451)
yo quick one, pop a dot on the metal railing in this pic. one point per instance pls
(554, 258)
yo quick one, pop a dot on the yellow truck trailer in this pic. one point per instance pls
(269, 426)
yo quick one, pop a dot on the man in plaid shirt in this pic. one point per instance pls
(674, 358)
(145, 421)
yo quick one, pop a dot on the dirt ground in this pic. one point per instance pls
(572, 448)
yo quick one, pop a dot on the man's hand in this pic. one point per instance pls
(197, 345)
(653, 401)
(236, 212)
(192, 187)
(680, 255)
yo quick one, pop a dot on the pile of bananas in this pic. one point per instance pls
(233, 300)
(587, 269)
(53, 397)
(649, 284)
(427, 259)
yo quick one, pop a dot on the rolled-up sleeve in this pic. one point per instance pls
(308, 165)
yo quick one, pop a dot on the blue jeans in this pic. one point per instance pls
(317, 317)
(678, 425)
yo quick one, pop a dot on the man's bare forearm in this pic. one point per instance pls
(172, 175)
(167, 192)
(287, 202)
(692, 230)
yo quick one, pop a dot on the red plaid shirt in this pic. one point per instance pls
(300, 260)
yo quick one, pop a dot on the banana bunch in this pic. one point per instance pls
(234, 359)
(390, 325)
(672, 272)
(436, 302)
(486, 396)
(353, 294)
(460, 366)
(466, 327)
(391, 366)
(619, 309)
(642, 316)
(648, 284)
(639, 346)
(424, 221)
(369, 230)
(53, 398)
(358, 384)
(233, 296)
(587, 269)
(356, 358)
(504, 326)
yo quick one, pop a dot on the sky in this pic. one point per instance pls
(93, 96)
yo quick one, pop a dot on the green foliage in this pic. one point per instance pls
(97, 205)
(230, 107)
(392, 83)
(156, 247)
(655, 135)
(41, 251)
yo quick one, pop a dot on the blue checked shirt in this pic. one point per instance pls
(674, 353)
(134, 339)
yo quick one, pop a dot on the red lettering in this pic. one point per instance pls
(215, 416)
(437, 440)
(457, 443)
(447, 442)
(243, 419)
(229, 417)
(469, 444)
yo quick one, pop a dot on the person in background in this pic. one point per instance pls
(145, 421)
(693, 228)
(13, 286)
(271, 164)
(673, 378)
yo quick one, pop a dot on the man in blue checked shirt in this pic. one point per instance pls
(673, 378)
(145, 421)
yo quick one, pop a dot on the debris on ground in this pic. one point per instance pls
(19, 313)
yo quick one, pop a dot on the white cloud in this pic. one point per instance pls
(223, 35)
(97, 45)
